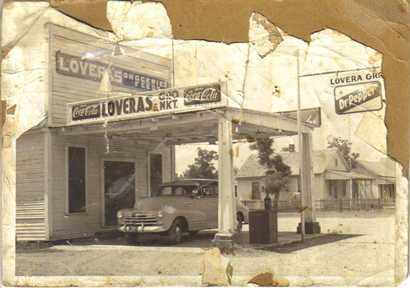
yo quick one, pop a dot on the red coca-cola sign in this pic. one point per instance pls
(202, 95)
(86, 111)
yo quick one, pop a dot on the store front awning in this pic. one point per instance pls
(344, 175)
(192, 126)
(177, 116)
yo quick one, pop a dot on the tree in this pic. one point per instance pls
(344, 147)
(277, 172)
(203, 166)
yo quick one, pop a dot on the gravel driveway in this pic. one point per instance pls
(359, 248)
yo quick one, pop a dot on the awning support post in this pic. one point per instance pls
(226, 199)
(307, 177)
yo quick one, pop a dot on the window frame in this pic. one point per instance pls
(102, 181)
(149, 170)
(253, 184)
(67, 184)
(209, 196)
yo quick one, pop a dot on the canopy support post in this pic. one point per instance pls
(307, 177)
(226, 199)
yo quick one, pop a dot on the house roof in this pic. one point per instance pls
(321, 162)
(191, 181)
(343, 175)
(385, 167)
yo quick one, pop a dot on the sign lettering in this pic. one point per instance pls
(201, 95)
(363, 94)
(75, 66)
(358, 91)
(146, 104)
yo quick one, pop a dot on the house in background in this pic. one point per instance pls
(250, 183)
(384, 172)
(335, 186)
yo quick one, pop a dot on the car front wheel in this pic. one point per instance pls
(176, 232)
(131, 238)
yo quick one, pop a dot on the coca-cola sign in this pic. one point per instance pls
(201, 95)
(86, 111)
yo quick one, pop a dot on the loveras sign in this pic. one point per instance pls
(75, 66)
(358, 91)
(145, 104)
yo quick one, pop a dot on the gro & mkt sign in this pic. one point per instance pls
(146, 104)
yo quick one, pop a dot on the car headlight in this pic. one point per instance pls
(119, 214)
(160, 214)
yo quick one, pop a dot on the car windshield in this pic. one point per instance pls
(177, 190)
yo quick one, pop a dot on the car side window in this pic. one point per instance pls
(210, 191)
(165, 191)
(179, 191)
(195, 192)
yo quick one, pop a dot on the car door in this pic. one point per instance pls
(192, 209)
(209, 196)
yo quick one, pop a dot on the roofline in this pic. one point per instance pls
(196, 179)
(190, 180)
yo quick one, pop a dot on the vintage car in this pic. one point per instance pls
(179, 208)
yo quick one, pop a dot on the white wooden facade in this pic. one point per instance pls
(75, 82)
(31, 187)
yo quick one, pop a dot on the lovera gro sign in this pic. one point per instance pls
(145, 104)
(358, 91)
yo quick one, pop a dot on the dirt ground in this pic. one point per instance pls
(356, 246)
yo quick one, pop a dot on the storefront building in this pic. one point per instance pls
(104, 144)
(65, 183)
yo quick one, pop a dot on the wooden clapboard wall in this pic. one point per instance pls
(31, 218)
(67, 89)
(86, 224)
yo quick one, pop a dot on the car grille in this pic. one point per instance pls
(139, 219)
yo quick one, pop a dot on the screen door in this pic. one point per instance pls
(119, 189)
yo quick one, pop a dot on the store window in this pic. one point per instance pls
(155, 173)
(298, 184)
(76, 180)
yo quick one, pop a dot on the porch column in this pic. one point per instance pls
(349, 190)
(173, 164)
(226, 199)
(311, 225)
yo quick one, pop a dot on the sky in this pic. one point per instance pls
(328, 51)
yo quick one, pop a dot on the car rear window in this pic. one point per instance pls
(176, 190)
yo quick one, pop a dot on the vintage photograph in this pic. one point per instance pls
(191, 162)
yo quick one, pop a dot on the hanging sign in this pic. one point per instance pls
(146, 104)
(309, 116)
(358, 91)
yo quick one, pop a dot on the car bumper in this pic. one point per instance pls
(141, 229)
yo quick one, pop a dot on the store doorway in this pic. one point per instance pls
(119, 188)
